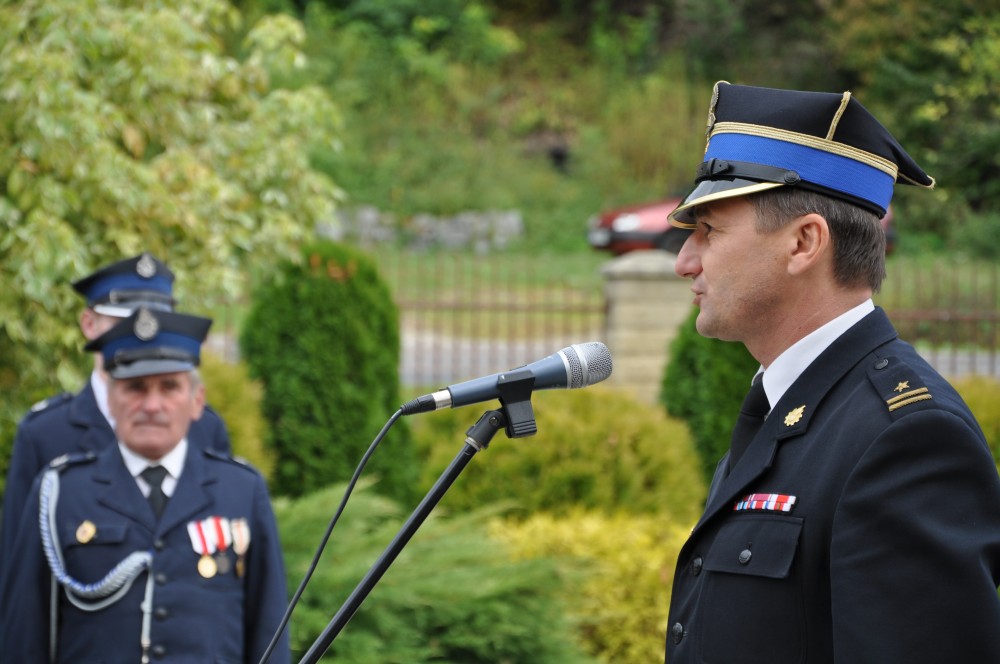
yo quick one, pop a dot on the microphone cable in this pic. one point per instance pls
(326, 537)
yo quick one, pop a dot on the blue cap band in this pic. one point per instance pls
(832, 171)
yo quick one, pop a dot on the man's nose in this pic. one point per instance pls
(152, 400)
(688, 263)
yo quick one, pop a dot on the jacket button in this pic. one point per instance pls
(160, 578)
(159, 651)
(696, 565)
(161, 613)
(159, 544)
(677, 632)
(745, 556)
(882, 363)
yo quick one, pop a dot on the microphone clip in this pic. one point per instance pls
(515, 388)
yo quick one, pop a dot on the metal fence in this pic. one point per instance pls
(466, 316)
(950, 311)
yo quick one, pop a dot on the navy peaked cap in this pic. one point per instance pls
(121, 288)
(152, 342)
(762, 138)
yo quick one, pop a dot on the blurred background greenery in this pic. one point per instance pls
(220, 134)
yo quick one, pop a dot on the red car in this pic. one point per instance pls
(645, 226)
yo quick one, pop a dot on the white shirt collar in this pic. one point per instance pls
(173, 461)
(100, 387)
(788, 366)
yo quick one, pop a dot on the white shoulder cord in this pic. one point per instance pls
(88, 596)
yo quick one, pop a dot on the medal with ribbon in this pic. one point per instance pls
(204, 546)
(240, 531)
(222, 537)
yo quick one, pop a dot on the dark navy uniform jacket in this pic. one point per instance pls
(69, 425)
(889, 552)
(225, 618)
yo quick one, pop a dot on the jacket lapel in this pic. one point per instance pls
(118, 491)
(790, 417)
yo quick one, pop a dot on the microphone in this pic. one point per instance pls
(575, 366)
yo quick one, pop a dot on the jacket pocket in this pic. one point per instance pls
(755, 545)
(751, 607)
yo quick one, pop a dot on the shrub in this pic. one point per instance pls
(983, 397)
(621, 605)
(704, 384)
(595, 448)
(237, 399)
(323, 339)
(454, 595)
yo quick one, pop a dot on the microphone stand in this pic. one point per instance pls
(516, 417)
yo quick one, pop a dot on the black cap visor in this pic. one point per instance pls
(715, 190)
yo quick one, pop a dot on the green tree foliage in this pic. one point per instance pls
(322, 336)
(595, 448)
(128, 126)
(455, 595)
(704, 384)
(933, 71)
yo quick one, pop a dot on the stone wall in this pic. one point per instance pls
(646, 305)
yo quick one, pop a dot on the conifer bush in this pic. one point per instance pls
(322, 337)
(596, 448)
(704, 384)
(454, 594)
(620, 605)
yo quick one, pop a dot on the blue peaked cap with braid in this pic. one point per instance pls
(763, 138)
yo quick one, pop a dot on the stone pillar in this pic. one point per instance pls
(646, 304)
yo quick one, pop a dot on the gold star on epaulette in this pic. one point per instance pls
(794, 415)
(903, 385)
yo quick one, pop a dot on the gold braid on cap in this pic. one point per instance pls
(824, 144)
(710, 124)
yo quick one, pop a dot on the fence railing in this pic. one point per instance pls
(949, 310)
(465, 316)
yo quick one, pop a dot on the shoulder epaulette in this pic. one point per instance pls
(46, 404)
(237, 461)
(64, 461)
(898, 384)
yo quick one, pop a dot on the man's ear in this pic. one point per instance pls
(88, 324)
(810, 242)
(199, 402)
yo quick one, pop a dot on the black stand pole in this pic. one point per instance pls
(478, 438)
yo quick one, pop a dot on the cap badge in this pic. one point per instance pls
(794, 415)
(86, 531)
(146, 267)
(146, 325)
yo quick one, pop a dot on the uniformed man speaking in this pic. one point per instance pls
(152, 548)
(856, 517)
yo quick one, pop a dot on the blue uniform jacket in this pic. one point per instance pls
(226, 618)
(71, 424)
(890, 551)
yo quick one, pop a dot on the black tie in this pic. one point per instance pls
(154, 477)
(752, 414)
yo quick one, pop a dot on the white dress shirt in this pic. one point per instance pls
(173, 462)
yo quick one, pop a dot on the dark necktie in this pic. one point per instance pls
(752, 414)
(154, 477)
